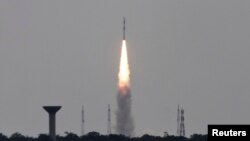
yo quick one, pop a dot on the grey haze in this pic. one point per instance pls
(189, 52)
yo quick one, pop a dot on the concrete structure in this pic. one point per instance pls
(52, 119)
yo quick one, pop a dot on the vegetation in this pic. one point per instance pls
(95, 136)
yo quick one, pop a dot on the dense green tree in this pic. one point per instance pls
(17, 137)
(95, 136)
(44, 137)
(3, 137)
(198, 137)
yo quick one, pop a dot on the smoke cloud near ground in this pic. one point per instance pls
(124, 120)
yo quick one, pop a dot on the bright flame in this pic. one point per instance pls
(124, 80)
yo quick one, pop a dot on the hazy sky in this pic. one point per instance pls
(191, 52)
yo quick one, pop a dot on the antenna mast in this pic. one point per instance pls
(182, 125)
(82, 126)
(109, 121)
(178, 121)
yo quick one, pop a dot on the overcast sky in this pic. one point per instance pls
(189, 52)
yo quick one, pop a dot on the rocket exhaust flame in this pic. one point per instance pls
(124, 80)
(125, 124)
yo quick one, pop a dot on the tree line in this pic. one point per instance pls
(95, 136)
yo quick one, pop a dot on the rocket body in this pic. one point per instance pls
(124, 22)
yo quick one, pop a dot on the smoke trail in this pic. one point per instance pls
(125, 123)
(124, 120)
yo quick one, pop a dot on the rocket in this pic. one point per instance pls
(124, 20)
